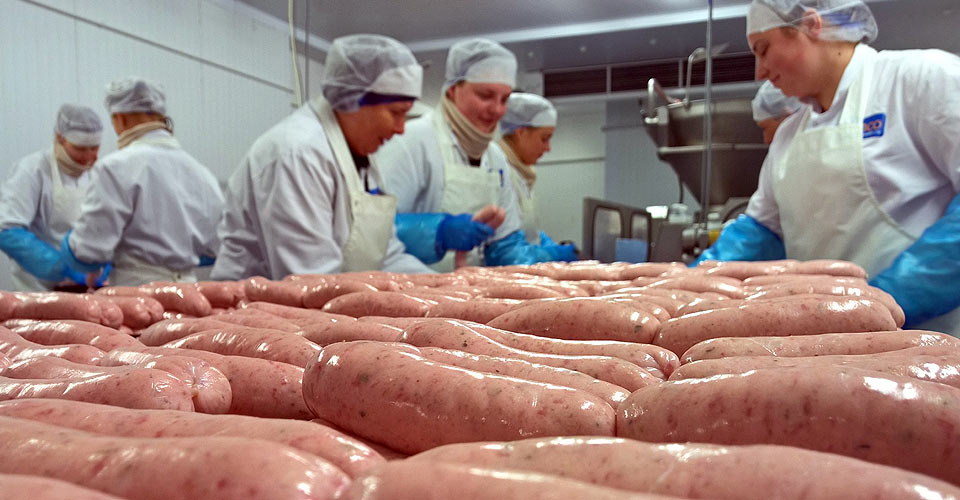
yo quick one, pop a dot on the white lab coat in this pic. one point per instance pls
(914, 168)
(412, 169)
(152, 203)
(27, 200)
(287, 210)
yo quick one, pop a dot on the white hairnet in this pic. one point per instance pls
(133, 94)
(79, 125)
(770, 102)
(843, 20)
(527, 110)
(360, 64)
(480, 60)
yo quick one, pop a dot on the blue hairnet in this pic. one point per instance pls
(133, 94)
(770, 102)
(482, 61)
(79, 125)
(843, 20)
(527, 110)
(360, 64)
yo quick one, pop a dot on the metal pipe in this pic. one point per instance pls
(707, 122)
(654, 89)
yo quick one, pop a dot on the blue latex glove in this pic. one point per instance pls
(514, 250)
(418, 232)
(461, 232)
(35, 256)
(923, 279)
(71, 260)
(545, 240)
(562, 253)
(745, 239)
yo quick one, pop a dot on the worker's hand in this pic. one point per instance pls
(491, 215)
(461, 232)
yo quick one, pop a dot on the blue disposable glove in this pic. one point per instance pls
(461, 232)
(923, 279)
(71, 260)
(545, 240)
(745, 239)
(418, 232)
(35, 256)
(562, 253)
(514, 250)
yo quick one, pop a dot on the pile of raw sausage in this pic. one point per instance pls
(741, 380)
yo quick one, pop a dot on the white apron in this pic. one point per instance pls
(466, 189)
(528, 207)
(827, 164)
(371, 216)
(129, 270)
(64, 212)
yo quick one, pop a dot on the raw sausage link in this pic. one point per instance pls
(17, 348)
(260, 388)
(873, 416)
(451, 334)
(817, 345)
(428, 480)
(410, 404)
(805, 315)
(348, 454)
(758, 472)
(212, 468)
(139, 388)
(580, 319)
(59, 332)
(19, 486)
(254, 343)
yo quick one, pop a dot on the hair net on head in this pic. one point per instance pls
(79, 125)
(361, 64)
(770, 102)
(480, 60)
(133, 94)
(527, 110)
(843, 20)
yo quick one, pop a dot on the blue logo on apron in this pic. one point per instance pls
(873, 126)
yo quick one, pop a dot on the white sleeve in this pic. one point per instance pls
(20, 196)
(401, 171)
(104, 215)
(934, 105)
(763, 206)
(296, 214)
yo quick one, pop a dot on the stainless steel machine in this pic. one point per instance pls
(737, 152)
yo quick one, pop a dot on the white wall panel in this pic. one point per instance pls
(64, 5)
(235, 40)
(571, 171)
(38, 71)
(105, 56)
(173, 23)
(235, 112)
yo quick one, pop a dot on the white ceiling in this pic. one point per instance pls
(550, 34)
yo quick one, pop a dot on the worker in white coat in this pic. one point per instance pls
(41, 199)
(442, 170)
(306, 197)
(771, 107)
(869, 171)
(152, 209)
(526, 128)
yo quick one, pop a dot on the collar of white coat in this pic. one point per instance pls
(850, 75)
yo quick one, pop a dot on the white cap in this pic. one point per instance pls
(134, 94)
(479, 60)
(770, 102)
(843, 20)
(527, 110)
(361, 64)
(79, 125)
